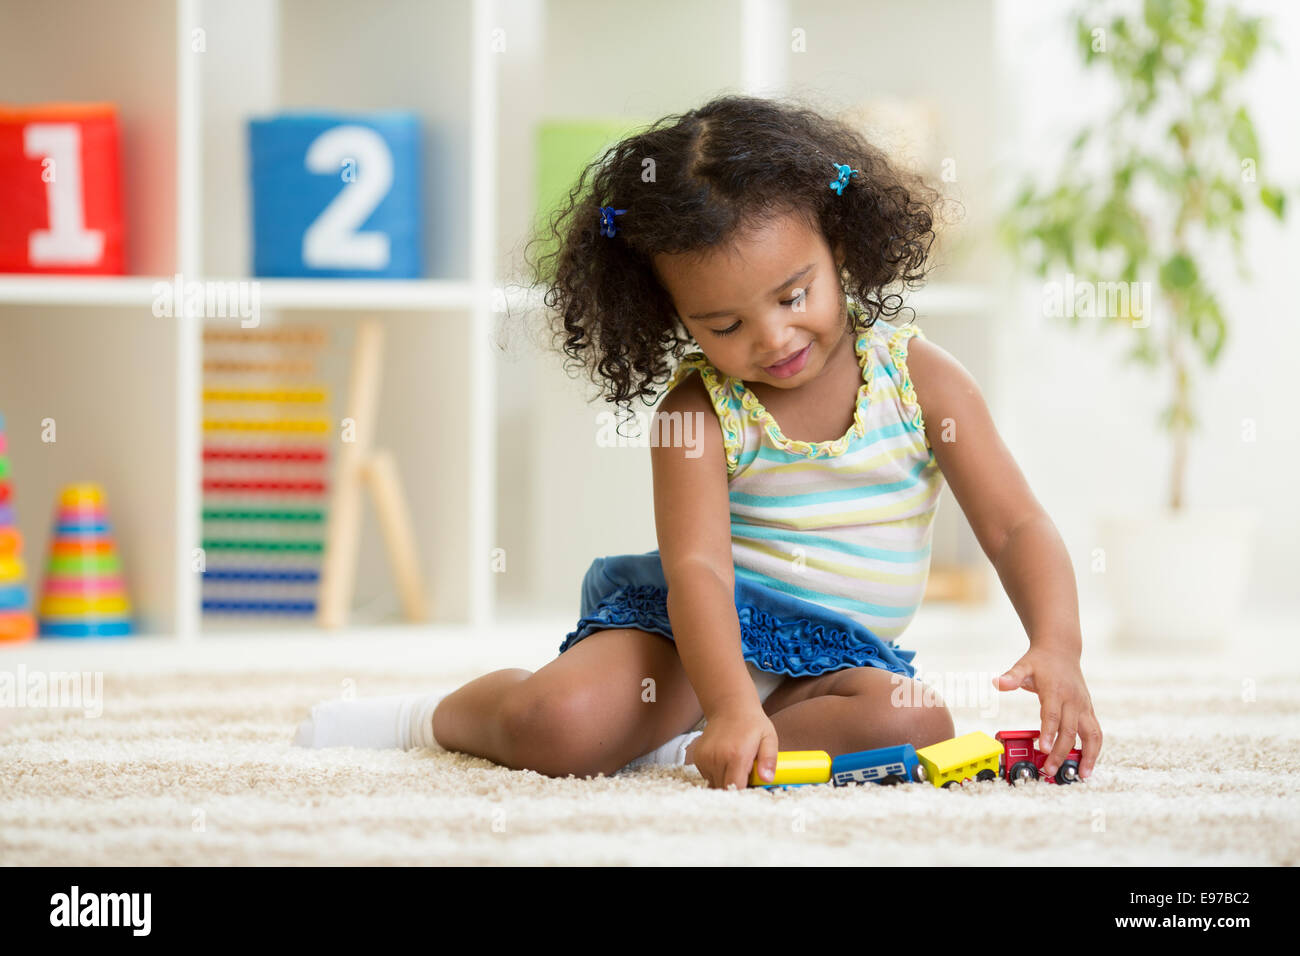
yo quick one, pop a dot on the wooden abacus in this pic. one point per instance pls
(265, 460)
(267, 479)
(359, 465)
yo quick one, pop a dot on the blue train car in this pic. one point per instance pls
(886, 765)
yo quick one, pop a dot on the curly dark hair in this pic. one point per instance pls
(718, 170)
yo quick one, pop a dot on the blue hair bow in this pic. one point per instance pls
(842, 180)
(607, 214)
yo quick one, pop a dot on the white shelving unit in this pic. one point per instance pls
(187, 75)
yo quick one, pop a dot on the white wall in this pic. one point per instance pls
(1083, 425)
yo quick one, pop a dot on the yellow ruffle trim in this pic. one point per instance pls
(732, 441)
(898, 352)
(722, 389)
(824, 449)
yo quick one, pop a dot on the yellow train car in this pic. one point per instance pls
(796, 768)
(973, 756)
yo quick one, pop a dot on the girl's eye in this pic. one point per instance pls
(796, 298)
(786, 302)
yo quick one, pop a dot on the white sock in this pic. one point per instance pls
(401, 721)
(671, 754)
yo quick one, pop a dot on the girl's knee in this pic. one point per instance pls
(933, 724)
(920, 715)
(546, 728)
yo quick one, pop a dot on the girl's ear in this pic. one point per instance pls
(839, 256)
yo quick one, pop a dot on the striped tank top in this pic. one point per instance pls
(845, 524)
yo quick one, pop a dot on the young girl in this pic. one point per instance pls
(794, 538)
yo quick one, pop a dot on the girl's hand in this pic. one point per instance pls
(725, 752)
(1064, 705)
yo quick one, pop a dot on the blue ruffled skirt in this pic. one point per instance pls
(779, 633)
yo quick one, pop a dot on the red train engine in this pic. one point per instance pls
(1022, 760)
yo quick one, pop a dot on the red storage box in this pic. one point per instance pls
(61, 189)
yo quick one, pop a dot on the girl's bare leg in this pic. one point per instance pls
(859, 708)
(469, 719)
(617, 694)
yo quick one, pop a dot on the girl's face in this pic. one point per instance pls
(769, 296)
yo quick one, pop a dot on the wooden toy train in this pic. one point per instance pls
(1010, 754)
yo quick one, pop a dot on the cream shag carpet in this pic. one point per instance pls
(190, 764)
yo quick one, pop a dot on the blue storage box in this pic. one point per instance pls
(337, 195)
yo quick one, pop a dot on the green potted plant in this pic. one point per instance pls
(1145, 197)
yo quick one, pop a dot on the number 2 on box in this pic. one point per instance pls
(332, 242)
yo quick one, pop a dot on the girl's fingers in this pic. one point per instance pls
(724, 775)
(766, 759)
(1013, 678)
(1064, 739)
(1049, 716)
(738, 773)
(1090, 734)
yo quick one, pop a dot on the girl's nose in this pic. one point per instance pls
(775, 340)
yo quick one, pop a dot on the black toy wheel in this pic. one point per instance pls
(951, 783)
(1024, 770)
(1068, 772)
(892, 779)
(986, 775)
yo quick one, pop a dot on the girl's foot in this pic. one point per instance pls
(402, 721)
(671, 754)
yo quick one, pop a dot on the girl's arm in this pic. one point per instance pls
(693, 525)
(1021, 542)
(693, 521)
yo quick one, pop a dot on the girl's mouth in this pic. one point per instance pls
(792, 365)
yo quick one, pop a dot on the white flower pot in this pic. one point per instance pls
(1177, 579)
